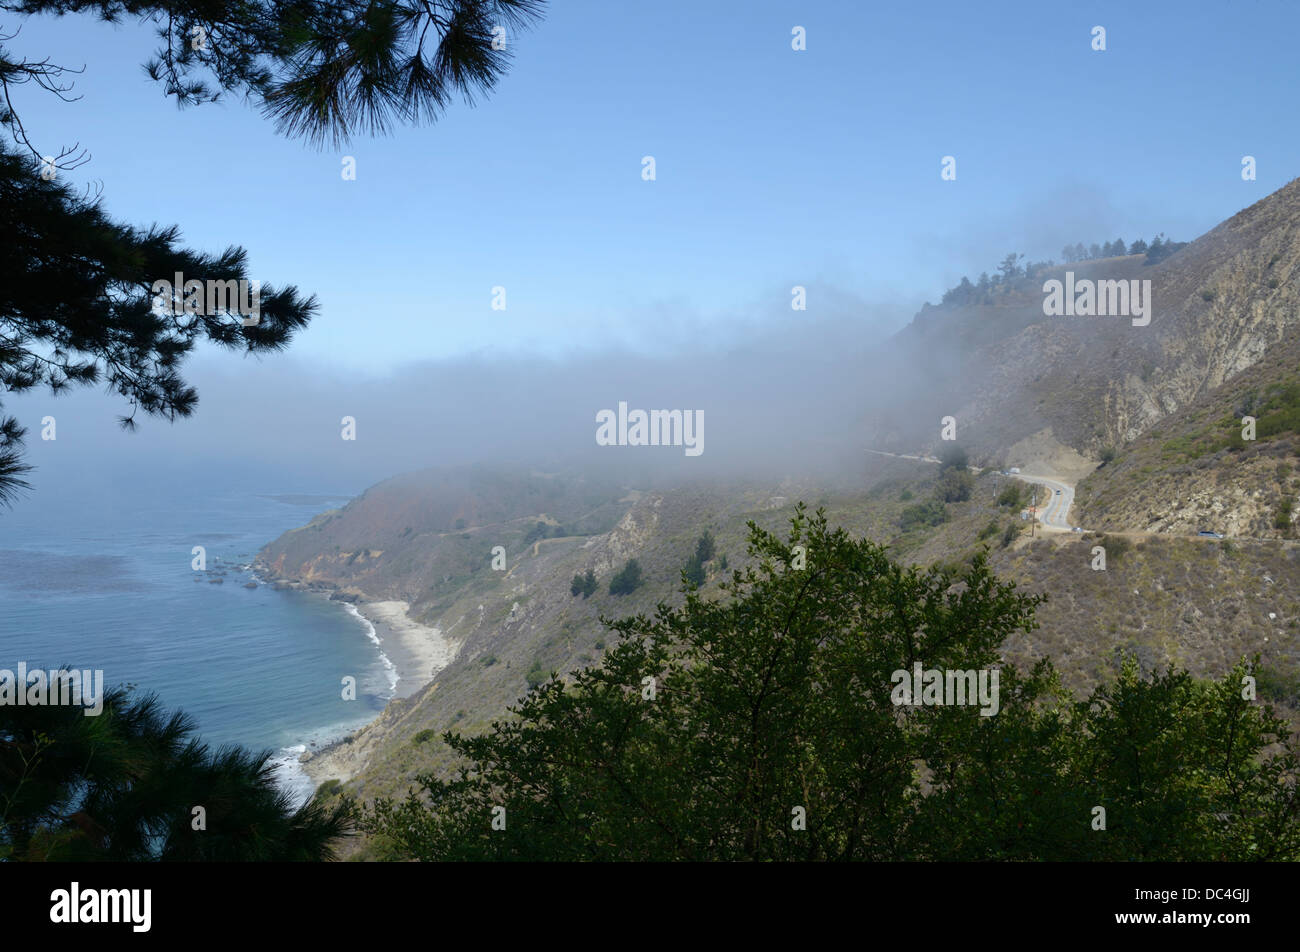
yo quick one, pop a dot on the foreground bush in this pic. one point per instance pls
(762, 726)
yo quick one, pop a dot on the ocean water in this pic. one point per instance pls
(108, 584)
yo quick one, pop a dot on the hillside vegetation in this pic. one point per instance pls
(1152, 413)
(1201, 605)
(766, 724)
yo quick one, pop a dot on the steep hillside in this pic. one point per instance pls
(518, 625)
(419, 536)
(1194, 472)
(1006, 371)
(1160, 404)
(1199, 603)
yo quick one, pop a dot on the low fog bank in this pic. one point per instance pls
(788, 401)
(783, 393)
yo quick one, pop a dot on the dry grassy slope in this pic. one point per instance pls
(1219, 304)
(1202, 605)
(419, 536)
(1180, 477)
(525, 619)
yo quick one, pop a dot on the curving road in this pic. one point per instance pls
(1054, 508)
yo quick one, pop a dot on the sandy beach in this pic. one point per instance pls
(417, 651)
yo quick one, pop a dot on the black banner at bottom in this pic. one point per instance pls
(344, 900)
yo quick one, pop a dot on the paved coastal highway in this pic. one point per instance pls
(1053, 508)
(1055, 497)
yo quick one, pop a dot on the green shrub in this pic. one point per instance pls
(705, 547)
(905, 495)
(953, 457)
(955, 485)
(1115, 546)
(424, 736)
(694, 573)
(1279, 681)
(990, 530)
(1013, 496)
(627, 580)
(584, 585)
(538, 675)
(694, 569)
(539, 531)
(932, 513)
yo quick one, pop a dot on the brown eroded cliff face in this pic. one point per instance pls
(1193, 471)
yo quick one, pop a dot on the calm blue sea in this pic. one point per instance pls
(107, 583)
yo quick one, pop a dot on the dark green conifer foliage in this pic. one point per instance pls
(75, 300)
(122, 785)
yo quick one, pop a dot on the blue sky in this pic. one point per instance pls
(774, 167)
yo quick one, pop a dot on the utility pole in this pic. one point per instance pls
(1033, 511)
